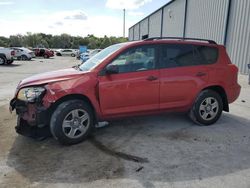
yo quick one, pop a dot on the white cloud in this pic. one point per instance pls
(127, 4)
(59, 23)
(77, 15)
(135, 13)
(6, 3)
(54, 23)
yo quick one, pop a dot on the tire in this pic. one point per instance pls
(46, 56)
(58, 54)
(24, 57)
(207, 108)
(73, 55)
(3, 60)
(72, 122)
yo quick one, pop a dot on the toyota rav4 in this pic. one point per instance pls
(152, 76)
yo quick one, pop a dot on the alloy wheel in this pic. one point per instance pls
(209, 108)
(76, 123)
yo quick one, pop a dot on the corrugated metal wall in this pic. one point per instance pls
(173, 19)
(131, 34)
(143, 27)
(137, 32)
(238, 38)
(206, 19)
(155, 24)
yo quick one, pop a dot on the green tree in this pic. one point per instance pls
(59, 41)
(16, 41)
(4, 42)
(105, 42)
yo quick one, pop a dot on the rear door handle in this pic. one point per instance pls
(152, 78)
(201, 74)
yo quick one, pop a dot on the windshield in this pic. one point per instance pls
(97, 59)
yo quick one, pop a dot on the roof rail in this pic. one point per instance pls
(181, 38)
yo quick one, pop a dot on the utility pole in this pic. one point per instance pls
(124, 14)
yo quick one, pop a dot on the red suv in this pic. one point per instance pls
(135, 78)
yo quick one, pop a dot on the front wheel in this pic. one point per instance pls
(207, 108)
(72, 122)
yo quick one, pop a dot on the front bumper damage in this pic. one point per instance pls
(33, 119)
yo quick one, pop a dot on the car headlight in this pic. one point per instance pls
(30, 94)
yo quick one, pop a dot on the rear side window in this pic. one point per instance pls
(210, 54)
(181, 55)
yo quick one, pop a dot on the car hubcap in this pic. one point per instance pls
(76, 123)
(1, 61)
(209, 108)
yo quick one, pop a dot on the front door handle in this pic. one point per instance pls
(152, 78)
(201, 74)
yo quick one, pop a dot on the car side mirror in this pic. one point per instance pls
(112, 69)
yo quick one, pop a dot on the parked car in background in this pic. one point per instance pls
(52, 52)
(85, 56)
(66, 52)
(43, 52)
(152, 76)
(6, 56)
(22, 53)
(78, 55)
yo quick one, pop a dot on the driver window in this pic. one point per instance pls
(136, 59)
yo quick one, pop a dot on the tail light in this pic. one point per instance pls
(12, 53)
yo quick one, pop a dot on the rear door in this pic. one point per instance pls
(183, 73)
(135, 88)
(17, 52)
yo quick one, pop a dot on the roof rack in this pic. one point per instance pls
(181, 38)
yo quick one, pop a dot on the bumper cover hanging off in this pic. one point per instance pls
(32, 120)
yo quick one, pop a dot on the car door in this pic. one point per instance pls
(67, 52)
(135, 88)
(17, 52)
(182, 75)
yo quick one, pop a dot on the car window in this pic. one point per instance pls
(180, 55)
(136, 59)
(66, 51)
(210, 54)
(174, 55)
(99, 57)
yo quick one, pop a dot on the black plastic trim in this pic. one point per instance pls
(227, 22)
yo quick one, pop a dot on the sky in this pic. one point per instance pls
(74, 17)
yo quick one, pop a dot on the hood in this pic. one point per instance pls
(53, 76)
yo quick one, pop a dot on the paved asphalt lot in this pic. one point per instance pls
(153, 151)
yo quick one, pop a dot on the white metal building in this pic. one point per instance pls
(224, 21)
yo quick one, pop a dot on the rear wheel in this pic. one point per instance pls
(72, 122)
(207, 108)
(2, 60)
(24, 57)
(73, 55)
